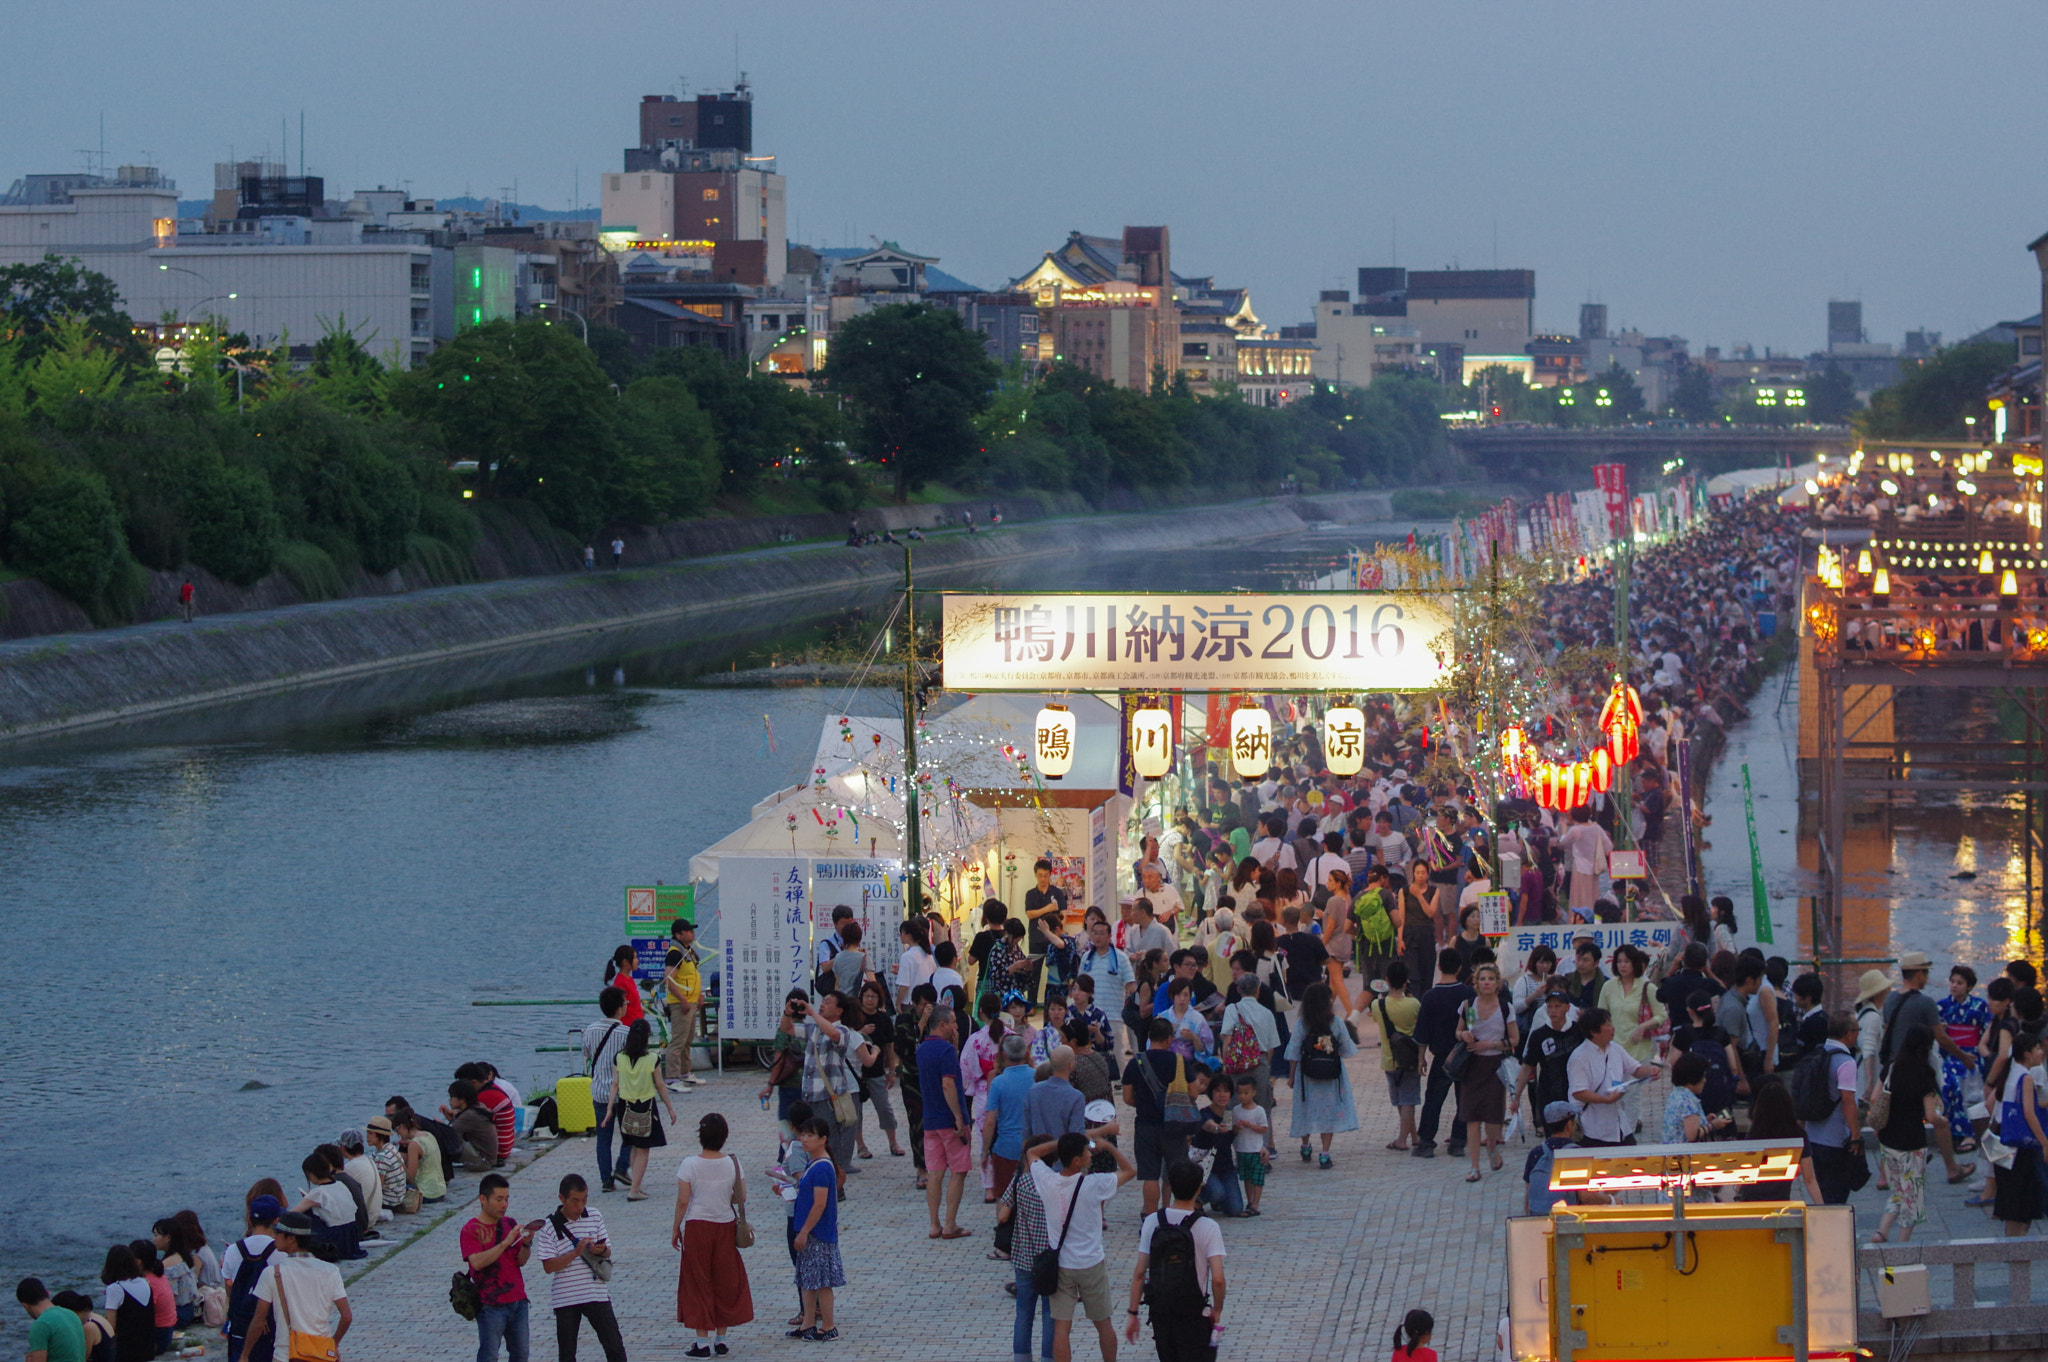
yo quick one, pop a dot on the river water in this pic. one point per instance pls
(231, 936)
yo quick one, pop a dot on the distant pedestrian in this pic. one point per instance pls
(618, 553)
(185, 595)
(684, 995)
(1323, 1104)
(589, 558)
(495, 1248)
(712, 1294)
(572, 1244)
(602, 1041)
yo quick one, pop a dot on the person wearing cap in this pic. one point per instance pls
(1908, 1007)
(54, 1333)
(1560, 1131)
(385, 1158)
(297, 1293)
(241, 1266)
(682, 985)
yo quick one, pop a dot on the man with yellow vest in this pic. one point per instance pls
(683, 991)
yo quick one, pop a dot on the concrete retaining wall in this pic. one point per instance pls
(76, 681)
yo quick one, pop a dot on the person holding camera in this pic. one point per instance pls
(833, 1057)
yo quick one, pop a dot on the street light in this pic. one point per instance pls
(577, 315)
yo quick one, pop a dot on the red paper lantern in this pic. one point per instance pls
(1603, 771)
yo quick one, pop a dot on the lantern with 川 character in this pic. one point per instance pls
(1251, 741)
(1053, 741)
(1344, 740)
(1151, 742)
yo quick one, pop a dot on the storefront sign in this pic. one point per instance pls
(1310, 641)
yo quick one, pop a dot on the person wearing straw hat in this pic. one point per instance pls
(1909, 1006)
(1871, 991)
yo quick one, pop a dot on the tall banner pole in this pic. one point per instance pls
(1760, 900)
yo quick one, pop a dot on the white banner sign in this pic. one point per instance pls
(1655, 939)
(765, 931)
(874, 890)
(1307, 641)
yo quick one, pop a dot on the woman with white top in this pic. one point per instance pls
(712, 1294)
(129, 1306)
(916, 965)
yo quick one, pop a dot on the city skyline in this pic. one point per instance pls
(1724, 194)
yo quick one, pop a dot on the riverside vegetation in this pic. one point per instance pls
(123, 451)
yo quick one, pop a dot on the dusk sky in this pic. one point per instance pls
(1712, 171)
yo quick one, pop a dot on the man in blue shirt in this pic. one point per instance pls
(832, 943)
(1055, 1106)
(946, 1158)
(1002, 1119)
(1436, 1030)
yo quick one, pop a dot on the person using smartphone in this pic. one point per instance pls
(496, 1248)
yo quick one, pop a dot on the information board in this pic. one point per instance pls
(1493, 914)
(874, 890)
(764, 933)
(1165, 641)
(1653, 938)
(650, 911)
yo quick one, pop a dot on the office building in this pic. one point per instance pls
(1107, 305)
(694, 194)
(1468, 319)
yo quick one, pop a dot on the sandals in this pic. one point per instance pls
(961, 1233)
(1397, 1144)
(1962, 1173)
(1473, 1176)
(1496, 1161)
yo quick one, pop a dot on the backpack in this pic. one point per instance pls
(1407, 1055)
(1240, 1050)
(1719, 1093)
(1319, 1059)
(1374, 925)
(1538, 1199)
(1173, 1282)
(242, 1291)
(1177, 1113)
(1812, 1087)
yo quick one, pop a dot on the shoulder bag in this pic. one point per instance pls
(1406, 1053)
(844, 1111)
(743, 1229)
(300, 1347)
(1881, 1104)
(1045, 1264)
(600, 1268)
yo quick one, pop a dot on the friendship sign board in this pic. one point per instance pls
(1299, 641)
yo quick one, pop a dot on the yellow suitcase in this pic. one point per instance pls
(574, 1114)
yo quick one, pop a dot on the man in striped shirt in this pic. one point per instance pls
(601, 1043)
(567, 1242)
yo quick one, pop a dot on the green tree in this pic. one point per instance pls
(1931, 399)
(34, 298)
(1692, 396)
(1830, 396)
(344, 374)
(915, 378)
(66, 533)
(1612, 397)
(235, 532)
(673, 448)
(761, 422)
(73, 367)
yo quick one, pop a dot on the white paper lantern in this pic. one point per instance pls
(1053, 741)
(1344, 740)
(1151, 742)
(1251, 741)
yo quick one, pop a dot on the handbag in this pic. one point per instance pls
(785, 1067)
(637, 1122)
(213, 1306)
(300, 1347)
(1045, 1264)
(600, 1268)
(844, 1112)
(743, 1228)
(1880, 1112)
(410, 1203)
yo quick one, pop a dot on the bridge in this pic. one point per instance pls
(1537, 451)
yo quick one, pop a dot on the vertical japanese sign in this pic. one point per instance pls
(873, 889)
(765, 934)
(650, 911)
(1760, 901)
(1101, 862)
(1612, 481)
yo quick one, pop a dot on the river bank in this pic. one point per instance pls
(73, 682)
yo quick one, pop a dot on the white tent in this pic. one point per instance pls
(854, 809)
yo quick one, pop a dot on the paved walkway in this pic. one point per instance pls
(1327, 1271)
(1335, 1260)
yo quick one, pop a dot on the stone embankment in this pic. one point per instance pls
(69, 682)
